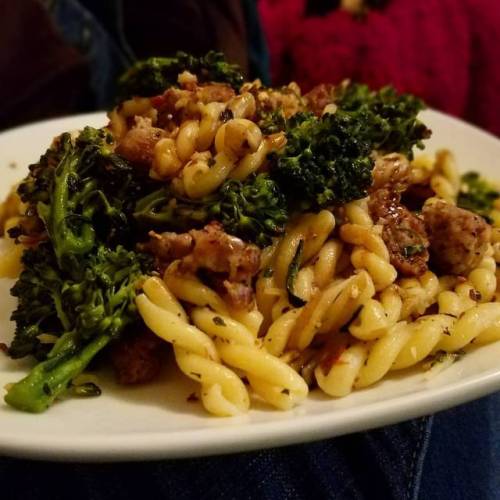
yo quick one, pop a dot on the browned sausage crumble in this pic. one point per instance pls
(227, 262)
(403, 232)
(459, 238)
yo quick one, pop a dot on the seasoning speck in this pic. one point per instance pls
(218, 321)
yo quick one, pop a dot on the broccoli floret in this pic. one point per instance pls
(328, 160)
(272, 121)
(253, 209)
(324, 161)
(152, 76)
(85, 307)
(391, 123)
(77, 283)
(40, 305)
(83, 192)
(477, 194)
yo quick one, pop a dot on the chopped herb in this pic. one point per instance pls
(88, 390)
(410, 250)
(268, 272)
(477, 194)
(355, 316)
(293, 270)
(218, 321)
(442, 357)
(226, 115)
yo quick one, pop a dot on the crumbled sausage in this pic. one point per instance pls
(217, 251)
(214, 92)
(392, 170)
(402, 231)
(137, 359)
(227, 262)
(139, 142)
(319, 97)
(458, 238)
(167, 247)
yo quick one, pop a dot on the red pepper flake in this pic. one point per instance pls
(158, 101)
(4, 348)
(333, 351)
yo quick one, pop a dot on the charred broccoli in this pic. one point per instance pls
(84, 307)
(77, 284)
(477, 194)
(390, 119)
(82, 191)
(328, 160)
(324, 161)
(154, 75)
(254, 209)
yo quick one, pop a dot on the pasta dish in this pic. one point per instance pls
(276, 242)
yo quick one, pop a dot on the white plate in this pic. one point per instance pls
(158, 422)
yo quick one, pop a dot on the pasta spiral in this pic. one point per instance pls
(370, 252)
(406, 344)
(271, 378)
(223, 393)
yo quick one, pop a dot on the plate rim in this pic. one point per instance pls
(300, 429)
(95, 447)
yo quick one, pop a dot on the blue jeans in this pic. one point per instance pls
(452, 455)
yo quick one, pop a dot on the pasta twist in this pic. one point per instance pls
(370, 252)
(137, 106)
(10, 259)
(330, 309)
(272, 379)
(313, 230)
(483, 278)
(445, 179)
(418, 294)
(236, 341)
(190, 289)
(223, 393)
(377, 316)
(235, 139)
(405, 344)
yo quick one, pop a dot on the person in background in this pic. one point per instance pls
(445, 51)
(63, 56)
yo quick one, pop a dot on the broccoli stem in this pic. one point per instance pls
(49, 379)
(57, 215)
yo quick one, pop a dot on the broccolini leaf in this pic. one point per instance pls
(293, 270)
(390, 119)
(477, 194)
